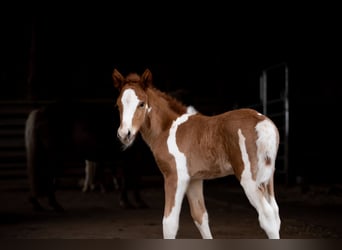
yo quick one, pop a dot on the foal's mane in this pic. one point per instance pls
(174, 104)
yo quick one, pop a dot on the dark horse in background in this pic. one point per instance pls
(76, 131)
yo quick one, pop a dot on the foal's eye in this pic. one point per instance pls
(141, 105)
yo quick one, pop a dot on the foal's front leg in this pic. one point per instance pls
(175, 188)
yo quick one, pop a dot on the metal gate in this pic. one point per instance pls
(274, 90)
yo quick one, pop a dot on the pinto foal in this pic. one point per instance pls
(190, 147)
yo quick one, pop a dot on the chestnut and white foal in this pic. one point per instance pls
(190, 147)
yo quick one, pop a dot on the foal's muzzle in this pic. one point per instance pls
(126, 137)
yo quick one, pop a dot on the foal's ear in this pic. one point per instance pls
(146, 79)
(118, 79)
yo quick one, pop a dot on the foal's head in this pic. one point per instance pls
(132, 103)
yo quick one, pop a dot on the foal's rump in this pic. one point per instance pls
(257, 140)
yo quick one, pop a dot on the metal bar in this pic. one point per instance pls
(287, 125)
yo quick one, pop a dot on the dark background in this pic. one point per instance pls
(211, 55)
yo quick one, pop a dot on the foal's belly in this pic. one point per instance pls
(210, 172)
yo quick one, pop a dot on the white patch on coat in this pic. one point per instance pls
(266, 148)
(191, 110)
(204, 227)
(171, 223)
(246, 176)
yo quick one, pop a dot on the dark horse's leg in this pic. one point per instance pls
(120, 183)
(129, 182)
(131, 177)
(133, 184)
(52, 198)
(50, 172)
(45, 188)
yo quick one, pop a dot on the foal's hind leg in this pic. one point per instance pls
(197, 208)
(262, 198)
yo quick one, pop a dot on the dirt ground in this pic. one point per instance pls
(95, 215)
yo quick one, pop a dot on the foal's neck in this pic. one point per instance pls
(164, 109)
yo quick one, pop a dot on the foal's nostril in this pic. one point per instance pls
(124, 136)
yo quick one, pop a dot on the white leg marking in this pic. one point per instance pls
(275, 211)
(267, 219)
(204, 227)
(171, 223)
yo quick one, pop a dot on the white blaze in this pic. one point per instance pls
(129, 101)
